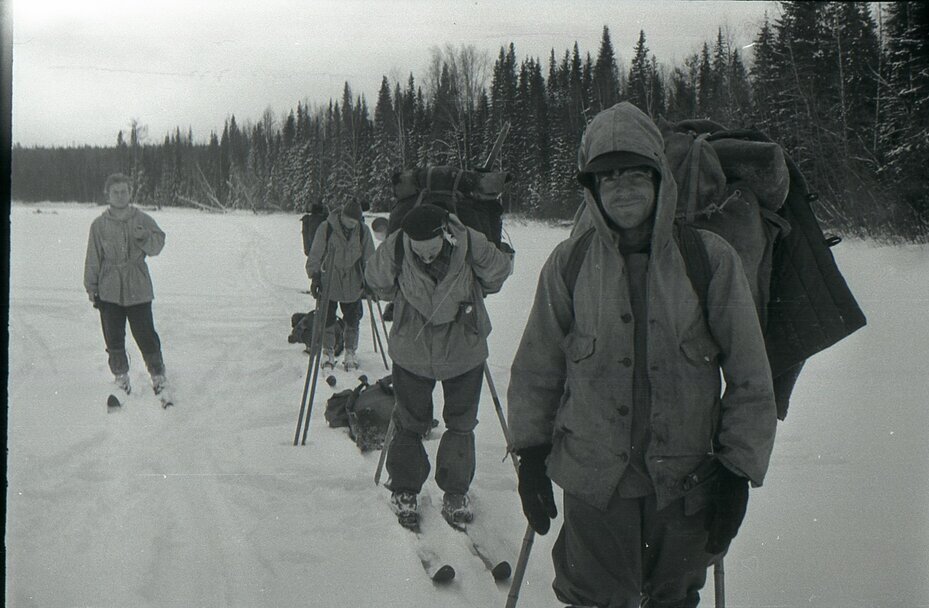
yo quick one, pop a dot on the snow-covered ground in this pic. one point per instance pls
(210, 504)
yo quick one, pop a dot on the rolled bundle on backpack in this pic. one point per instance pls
(759, 165)
(478, 185)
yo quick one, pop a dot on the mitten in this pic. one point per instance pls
(726, 510)
(535, 487)
(95, 299)
(315, 289)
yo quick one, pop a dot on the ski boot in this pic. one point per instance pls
(160, 388)
(328, 363)
(122, 381)
(456, 509)
(404, 504)
(351, 361)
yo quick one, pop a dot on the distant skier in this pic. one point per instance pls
(439, 332)
(118, 283)
(346, 240)
(615, 389)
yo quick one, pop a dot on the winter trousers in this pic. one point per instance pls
(614, 558)
(407, 462)
(113, 320)
(351, 317)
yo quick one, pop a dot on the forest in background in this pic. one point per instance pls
(843, 88)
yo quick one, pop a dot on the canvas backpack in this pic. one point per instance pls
(473, 196)
(365, 410)
(310, 223)
(301, 330)
(743, 187)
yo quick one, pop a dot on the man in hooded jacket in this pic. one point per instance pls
(615, 389)
(341, 247)
(439, 333)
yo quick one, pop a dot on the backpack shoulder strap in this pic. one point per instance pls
(576, 259)
(696, 260)
(398, 251)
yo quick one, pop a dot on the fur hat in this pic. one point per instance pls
(424, 222)
(352, 210)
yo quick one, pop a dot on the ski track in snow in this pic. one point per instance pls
(209, 504)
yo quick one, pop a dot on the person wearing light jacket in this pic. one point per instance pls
(345, 240)
(118, 283)
(615, 390)
(436, 271)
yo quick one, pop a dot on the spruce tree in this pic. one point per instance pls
(605, 75)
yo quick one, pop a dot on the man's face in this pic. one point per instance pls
(118, 195)
(349, 222)
(628, 195)
(427, 250)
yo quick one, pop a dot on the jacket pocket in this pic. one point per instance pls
(467, 317)
(578, 346)
(700, 349)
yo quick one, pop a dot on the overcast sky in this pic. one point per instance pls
(82, 70)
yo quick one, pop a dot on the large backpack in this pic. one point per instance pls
(742, 186)
(310, 223)
(474, 196)
(365, 410)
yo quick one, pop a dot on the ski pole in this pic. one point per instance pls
(315, 347)
(719, 581)
(380, 313)
(373, 324)
(388, 436)
(377, 336)
(529, 536)
(521, 563)
(322, 325)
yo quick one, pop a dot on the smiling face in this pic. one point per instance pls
(118, 195)
(427, 250)
(627, 195)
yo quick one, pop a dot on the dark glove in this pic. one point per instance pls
(315, 288)
(726, 510)
(389, 312)
(508, 250)
(95, 299)
(535, 488)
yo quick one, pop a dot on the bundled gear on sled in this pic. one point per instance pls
(301, 331)
(365, 410)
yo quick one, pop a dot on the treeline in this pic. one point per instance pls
(844, 90)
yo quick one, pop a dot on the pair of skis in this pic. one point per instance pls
(481, 543)
(114, 403)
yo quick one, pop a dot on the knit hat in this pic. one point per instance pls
(424, 222)
(352, 210)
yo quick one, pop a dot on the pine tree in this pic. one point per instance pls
(682, 96)
(605, 75)
(638, 82)
(763, 76)
(905, 122)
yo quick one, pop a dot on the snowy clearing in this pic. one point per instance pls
(209, 504)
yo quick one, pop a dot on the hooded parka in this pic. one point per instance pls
(114, 266)
(572, 378)
(439, 330)
(348, 253)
